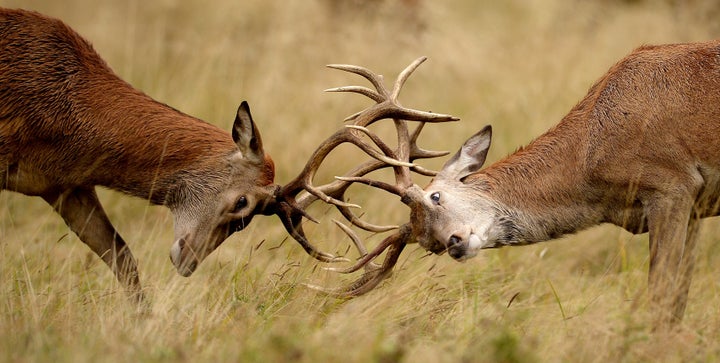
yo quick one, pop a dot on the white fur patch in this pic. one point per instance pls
(474, 242)
(175, 253)
(237, 157)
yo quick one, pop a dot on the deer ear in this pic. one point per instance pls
(469, 158)
(246, 135)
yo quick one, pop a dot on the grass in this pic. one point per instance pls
(518, 65)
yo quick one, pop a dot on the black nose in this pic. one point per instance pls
(453, 240)
(456, 253)
(455, 249)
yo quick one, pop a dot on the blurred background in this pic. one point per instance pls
(517, 65)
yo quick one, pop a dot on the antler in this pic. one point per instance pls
(395, 243)
(400, 159)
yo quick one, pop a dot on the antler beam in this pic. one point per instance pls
(383, 156)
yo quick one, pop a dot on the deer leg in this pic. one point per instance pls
(672, 238)
(82, 212)
(687, 266)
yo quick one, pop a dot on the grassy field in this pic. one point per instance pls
(518, 65)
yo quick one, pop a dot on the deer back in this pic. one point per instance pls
(648, 125)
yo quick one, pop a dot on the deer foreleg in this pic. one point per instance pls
(673, 233)
(82, 212)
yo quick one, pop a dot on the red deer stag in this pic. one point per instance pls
(635, 152)
(69, 124)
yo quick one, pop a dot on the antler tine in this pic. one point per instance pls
(375, 79)
(337, 190)
(400, 159)
(317, 192)
(394, 189)
(389, 156)
(304, 181)
(422, 171)
(402, 175)
(366, 257)
(369, 265)
(382, 97)
(417, 152)
(291, 221)
(356, 221)
(353, 116)
(395, 244)
(404, 75)
(388, 109)
(358, 89)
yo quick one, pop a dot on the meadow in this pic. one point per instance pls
(518, 65)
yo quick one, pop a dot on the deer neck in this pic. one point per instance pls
(154, 150)
(540, 190)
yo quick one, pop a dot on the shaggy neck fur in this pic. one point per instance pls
(539, 190)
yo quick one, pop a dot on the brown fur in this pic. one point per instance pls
(68, 124)
(651, 113)
(70, 119)
(639, 151)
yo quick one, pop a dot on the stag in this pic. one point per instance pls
(69, 124)
(635, 152)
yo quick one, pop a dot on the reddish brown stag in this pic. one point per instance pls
(68, 124)
(638, 152)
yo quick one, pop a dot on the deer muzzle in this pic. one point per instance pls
(184, 263)
(462, 249)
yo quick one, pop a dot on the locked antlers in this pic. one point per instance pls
(383, 156)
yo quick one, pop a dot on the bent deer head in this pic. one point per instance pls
(450, 214)
(224, 198)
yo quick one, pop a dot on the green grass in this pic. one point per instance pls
(518, 65)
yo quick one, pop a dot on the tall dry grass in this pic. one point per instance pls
(518, 65)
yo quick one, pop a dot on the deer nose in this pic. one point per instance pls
(184, 267)
(457, 253)
(455, 247)
(454, 240)
(176, 251)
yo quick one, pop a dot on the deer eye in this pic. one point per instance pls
(240, 204)
(435, 197)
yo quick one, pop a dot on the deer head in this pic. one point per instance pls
(231, 195)
(452, 214)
